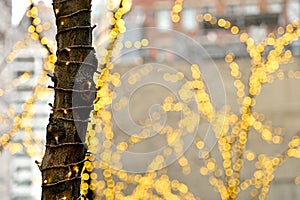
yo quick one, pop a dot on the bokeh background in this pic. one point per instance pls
(221, 27)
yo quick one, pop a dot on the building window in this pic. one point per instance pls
(163, 19)
(2, 39)
(251, 9)
(293, 10)
(19, 73)
(189, 21)
(233, 9)
(25, 59)
(275, 7)
(207, 9)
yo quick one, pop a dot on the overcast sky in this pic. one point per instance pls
(19, 9)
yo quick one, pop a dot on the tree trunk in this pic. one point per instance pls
(65, 150)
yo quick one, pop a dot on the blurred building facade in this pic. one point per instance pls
(5, 24)
(5, 188)
(257, 17)
(22, 65)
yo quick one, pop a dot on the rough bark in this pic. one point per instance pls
(65, 150)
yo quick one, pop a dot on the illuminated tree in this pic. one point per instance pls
(65, 151)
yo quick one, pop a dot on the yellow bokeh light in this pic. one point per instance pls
(175, 18)
(234, 30)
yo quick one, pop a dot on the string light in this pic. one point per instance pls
(176, 10)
